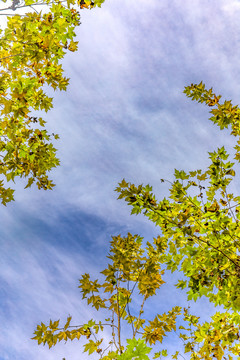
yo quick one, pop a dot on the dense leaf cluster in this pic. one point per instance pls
(32, 46)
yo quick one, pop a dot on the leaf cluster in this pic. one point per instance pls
(131, 267)
(32, 47)
(199, 225)
(199, 236)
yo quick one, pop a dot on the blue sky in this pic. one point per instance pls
(124, 116)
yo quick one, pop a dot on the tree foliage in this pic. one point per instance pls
(132, 269)
(32, 46)
(199, 236)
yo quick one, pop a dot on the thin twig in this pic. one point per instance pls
(140, 313)
(77, 326)
(128, 309)
(119, 320)
(113, 333)
(143, 265)
(12, 14)
(6, 57)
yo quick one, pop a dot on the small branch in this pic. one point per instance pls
(133, 287)
(34, 9)
(12, 14)
(77, 326)
(113, 333)
(140, 313)
(105, 350)
(119, 321)
(139, 332)
(128, 308)
(6, 57)
(27, 6)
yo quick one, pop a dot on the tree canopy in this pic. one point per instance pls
(198, 221)
(199, 238)
(33, 43)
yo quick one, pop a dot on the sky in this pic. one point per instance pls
(124, 115)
